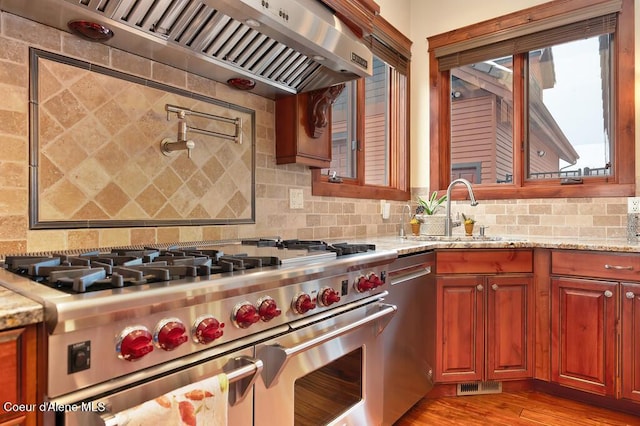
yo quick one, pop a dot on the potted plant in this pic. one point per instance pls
(432, 223)
(468, 224)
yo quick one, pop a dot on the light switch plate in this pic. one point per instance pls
(296, 199)
(633, 205)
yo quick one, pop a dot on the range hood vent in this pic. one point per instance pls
(285, 46)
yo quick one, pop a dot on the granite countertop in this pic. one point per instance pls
(17, 310)
(413, 244)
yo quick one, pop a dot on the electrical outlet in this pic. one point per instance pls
(296, 199)
(633, 205)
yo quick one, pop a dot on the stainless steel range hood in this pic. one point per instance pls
(285, 46)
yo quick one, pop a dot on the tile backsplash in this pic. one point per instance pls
(99, 151)
(321, 217)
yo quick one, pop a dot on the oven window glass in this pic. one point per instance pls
(329, 391)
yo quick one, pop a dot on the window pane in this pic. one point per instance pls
(376, 125)
(343, 133)
(482, 121)
(569, 110)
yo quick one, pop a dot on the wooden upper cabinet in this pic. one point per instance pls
(303, 131)
(357, 14)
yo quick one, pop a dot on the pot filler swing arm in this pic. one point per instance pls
(168, 146)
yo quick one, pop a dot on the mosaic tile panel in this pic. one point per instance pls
(99, 156)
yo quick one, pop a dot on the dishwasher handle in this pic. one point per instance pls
(276, 356)
(411, 274)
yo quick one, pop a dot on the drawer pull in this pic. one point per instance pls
(479, 287)
(629, 295)
(618, 267)
(608, 293)
(495, 286)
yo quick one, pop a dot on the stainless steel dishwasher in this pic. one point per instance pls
(409, 340)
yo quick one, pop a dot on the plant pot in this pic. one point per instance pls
(432, 224)
(468, 229)
(415, 228)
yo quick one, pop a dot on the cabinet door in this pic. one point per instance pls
(459, 329)
(17, 377)
(509, 327)
(294, 143)
(631, 341)
(583, 338)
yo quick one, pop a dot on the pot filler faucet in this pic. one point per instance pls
(448, 223)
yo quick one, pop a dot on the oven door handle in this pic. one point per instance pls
(241, 372)
(276, 356)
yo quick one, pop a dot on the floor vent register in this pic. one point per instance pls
(478, 388)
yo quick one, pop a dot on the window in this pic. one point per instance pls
(541, 108)
(369, 127)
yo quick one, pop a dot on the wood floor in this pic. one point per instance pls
(512, 408)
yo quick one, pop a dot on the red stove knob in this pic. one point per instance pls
(328, 296)
(375, 280)
(245, 314)
(134, 343)
(268, 309)
(207, 329)
(363, 284)
(302, 303)
(169, 334)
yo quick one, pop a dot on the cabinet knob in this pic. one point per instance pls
(608, 293)
(494, 287)
(629, 295)
(479, 287)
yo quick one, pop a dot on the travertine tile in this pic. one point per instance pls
(111, 199)
(96, 53)
(131, 64)
(85, 238)
(119, 172)
(91, 211)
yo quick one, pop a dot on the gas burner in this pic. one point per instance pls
(93, 271)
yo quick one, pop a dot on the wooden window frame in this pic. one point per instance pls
(622, 183)
(385, 40)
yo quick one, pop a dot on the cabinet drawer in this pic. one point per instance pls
(617, 266)
(479, 261)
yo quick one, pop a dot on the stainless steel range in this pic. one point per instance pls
(126, 326)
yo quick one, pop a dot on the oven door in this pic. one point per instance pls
(327, 372)
(240, 368)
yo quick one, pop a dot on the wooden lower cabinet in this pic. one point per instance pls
(18, 377)
(484, 328)
(584, 337)
(630, 341)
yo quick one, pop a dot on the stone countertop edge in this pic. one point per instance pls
(417, 244)
(17, 310)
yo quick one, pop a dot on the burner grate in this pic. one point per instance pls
(93, 271)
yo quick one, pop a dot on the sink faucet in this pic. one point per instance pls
(448, 224)
(405, 209)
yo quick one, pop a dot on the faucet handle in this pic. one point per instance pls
(190, 145)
